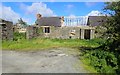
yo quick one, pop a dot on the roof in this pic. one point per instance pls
(49, 21)
(2, 21)
(96, 20)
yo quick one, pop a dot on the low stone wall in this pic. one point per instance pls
(31, 32)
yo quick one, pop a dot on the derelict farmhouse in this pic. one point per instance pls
(81, 27)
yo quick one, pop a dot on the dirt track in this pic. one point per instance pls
(59, 60)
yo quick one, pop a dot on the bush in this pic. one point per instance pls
(102, 61)
(19, 36)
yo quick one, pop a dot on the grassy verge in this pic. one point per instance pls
(38, 43)
(87, 65)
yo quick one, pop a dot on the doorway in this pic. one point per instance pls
(87, 34)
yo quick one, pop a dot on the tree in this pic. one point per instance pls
(113, 30)
(113, 26)
(23, 23)
(106, 58)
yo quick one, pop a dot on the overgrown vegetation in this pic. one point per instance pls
(102, 61)
(106, 58)
(19, 36)
(44, 43)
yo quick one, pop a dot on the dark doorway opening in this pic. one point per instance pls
(87, 34)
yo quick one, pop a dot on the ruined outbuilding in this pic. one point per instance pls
(32, 32)
(6, 30)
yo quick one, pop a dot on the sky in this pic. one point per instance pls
(12, 11)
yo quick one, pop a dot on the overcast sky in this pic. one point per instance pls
(27, 10)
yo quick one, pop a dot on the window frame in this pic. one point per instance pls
(46, 30)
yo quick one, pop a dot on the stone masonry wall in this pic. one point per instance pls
(31, 32)
(61, 32)
(6, 30)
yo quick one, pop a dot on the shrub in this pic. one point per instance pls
(102, 61)
(19, 36)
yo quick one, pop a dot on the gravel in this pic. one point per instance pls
(56, 60)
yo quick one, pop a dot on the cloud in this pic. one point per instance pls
(8, 14)
(22, 6)
(29, 11)
(11, 15)
(52, 0)
(90, 4)
(39, 8)
(72, 16)
(95, 13)
(69, 6)
(60, 0)
(0, 10)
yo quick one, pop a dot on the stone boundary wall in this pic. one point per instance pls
(31, 32)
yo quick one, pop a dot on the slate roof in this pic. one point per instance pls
(96, 20)
(56, 21)
(49, 21)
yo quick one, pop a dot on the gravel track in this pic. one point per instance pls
(56, 60)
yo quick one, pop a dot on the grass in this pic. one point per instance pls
(87, 65)
(44, 43)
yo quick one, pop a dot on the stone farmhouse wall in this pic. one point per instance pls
(61, 32)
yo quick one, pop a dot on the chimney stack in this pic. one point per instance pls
(62, 20)
(39, 16)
